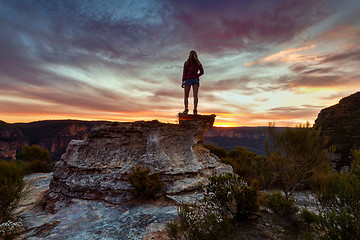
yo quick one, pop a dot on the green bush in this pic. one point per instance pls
(296, 157)
(227, 198)
(173, 229)
(339, 205)
(308, 216)
(10, 229)
(247, 202)
(355, 163)
(35, 159)
(219, 152)
(280, 205)
(220, 194)
(250, 166)
(231, 196)
(145, 184)
(11, 188)
(199, 222)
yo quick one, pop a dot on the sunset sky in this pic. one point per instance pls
(264, 61)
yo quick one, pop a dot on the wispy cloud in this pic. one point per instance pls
(122, 60)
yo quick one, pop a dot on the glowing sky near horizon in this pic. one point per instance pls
(264, 61)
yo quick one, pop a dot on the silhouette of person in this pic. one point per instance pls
(191, 75)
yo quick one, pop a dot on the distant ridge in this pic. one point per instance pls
(52, 135)
(55, 135)
(231, 137)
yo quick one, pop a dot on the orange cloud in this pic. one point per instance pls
(286, 56)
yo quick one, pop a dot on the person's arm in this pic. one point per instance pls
(201, 70)
(184, 72)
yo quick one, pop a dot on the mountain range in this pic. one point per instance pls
(340, 124)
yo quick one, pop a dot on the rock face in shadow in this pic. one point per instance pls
(341, 125)
(11, 141)
(97, 167)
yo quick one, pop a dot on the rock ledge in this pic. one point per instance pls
(97, 167)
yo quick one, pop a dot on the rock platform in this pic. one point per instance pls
(97, 167)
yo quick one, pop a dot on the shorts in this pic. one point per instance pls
(193, 81)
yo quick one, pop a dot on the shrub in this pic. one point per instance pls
(247, 202)
(173, 229)
(145, 184)
(296, 157)
(11, 188)
(339, 206)
(36, 159)
(10, 229)
(355, 164)
(227, 198)
(199, 222)
(280, 205)
(308, 216)
(250, 166)
(219, 152)
(220, 194)
(230, 195)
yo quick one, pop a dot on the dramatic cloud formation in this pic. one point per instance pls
(276, 60)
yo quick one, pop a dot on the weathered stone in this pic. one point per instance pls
(97, 167)
(340, 124)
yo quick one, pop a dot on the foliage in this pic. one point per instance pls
(296, 157)
(247, 202)
(219, 152)
(220, 194)
(10, 229)
(227, 198)
(36, 159)
(11, 188)
(342, 122)
(231, 196)
(339, 210)
(173, 229)
(355, 164)
(250, 166)
(308, 216)
(145, 184)
(199, 222)
(280, 205)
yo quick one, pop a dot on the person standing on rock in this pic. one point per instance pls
(192, 71)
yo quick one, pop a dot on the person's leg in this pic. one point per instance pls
(195, 92)
(186, 97)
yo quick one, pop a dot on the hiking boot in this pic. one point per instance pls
(186, 111)
(195, 112)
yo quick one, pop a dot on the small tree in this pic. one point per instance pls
(11, 188)
(219, 152)
(249, 166)
(145, 184)
(339, 198)
(296, 156)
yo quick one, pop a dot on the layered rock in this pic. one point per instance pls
(97, 167)
(55, 135)
(11, 141)
(341, 125)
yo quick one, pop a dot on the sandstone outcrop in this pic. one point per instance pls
(341, 125)
(51, 135)
(97, 167)
(11, 141)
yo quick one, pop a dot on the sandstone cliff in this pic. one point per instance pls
(11, 140)
(52, 135)
(341, 125)
(97, 167)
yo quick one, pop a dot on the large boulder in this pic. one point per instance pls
(340, 124)
(97, 167)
